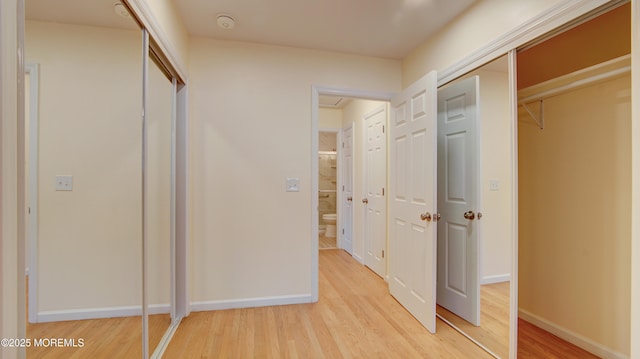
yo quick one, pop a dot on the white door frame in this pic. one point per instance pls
(32, 188)
(316, 91)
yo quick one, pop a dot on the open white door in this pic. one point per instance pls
(413, 196)
(375, 202)
(458, 253)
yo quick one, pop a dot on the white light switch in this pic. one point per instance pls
(64, 183)
(494, 185)
(293, 185)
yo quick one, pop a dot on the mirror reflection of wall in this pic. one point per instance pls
(85, 263)
(494, 267)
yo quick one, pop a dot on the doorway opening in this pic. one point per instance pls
(329, 172)
(339, 113)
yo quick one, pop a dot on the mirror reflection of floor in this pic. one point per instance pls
(101, 338)
(493, 331)
(326, 242)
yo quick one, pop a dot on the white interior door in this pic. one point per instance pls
(458, 254)
(375, 232)
(412, 191)
(346, 237)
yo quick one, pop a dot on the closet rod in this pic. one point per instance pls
(576, 84)
(583, 81)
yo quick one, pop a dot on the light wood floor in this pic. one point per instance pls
(98, 336)
(493, 331)
(326, 242)
(535, 343)
(103, 338)
(354, 318)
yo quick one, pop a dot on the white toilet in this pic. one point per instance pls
(330, 220)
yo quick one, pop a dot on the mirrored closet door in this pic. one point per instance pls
(84, 133)
(100, 149)
(482, 266)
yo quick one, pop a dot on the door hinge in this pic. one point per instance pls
(383, 191)
(383, 253)
(342, 144)
(342, 230)
(342, 188)
(29, 210)
(382, 128)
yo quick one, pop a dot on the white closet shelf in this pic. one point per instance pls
(586, 77)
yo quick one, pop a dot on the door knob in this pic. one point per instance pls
(436, 217)
(349, 199)
(469, 215)
(426, 216)
(365, 200)
(479, 215)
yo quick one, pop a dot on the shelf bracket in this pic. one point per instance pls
(539, 119)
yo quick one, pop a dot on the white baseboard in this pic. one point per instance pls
(573, 338)
(98, 313)
(249, 302)
(358, 258)
(492, 279)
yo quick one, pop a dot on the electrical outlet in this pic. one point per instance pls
(64, 183)
(494, 185)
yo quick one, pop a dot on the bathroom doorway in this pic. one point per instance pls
(328, 170)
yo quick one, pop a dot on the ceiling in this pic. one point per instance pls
(380, 28)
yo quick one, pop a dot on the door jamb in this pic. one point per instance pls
(32, 188)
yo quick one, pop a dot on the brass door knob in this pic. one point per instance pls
(436, 217)
(426, 216)
(469, 215)
(365, 200)
(349, 199)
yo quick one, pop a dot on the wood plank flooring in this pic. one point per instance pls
(354, 318)
(103, 338)
(326, 242)
(535, 343)
(493, 331)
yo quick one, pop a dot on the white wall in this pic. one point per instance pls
(90, 106)
(250, 113)
(329, 118)
(477, 27)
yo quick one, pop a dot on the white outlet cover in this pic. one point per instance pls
(494, 185)
(64, 183)
(293, 185)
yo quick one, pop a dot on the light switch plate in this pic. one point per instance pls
(64, 183)
(494, 185)
(293, 185)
